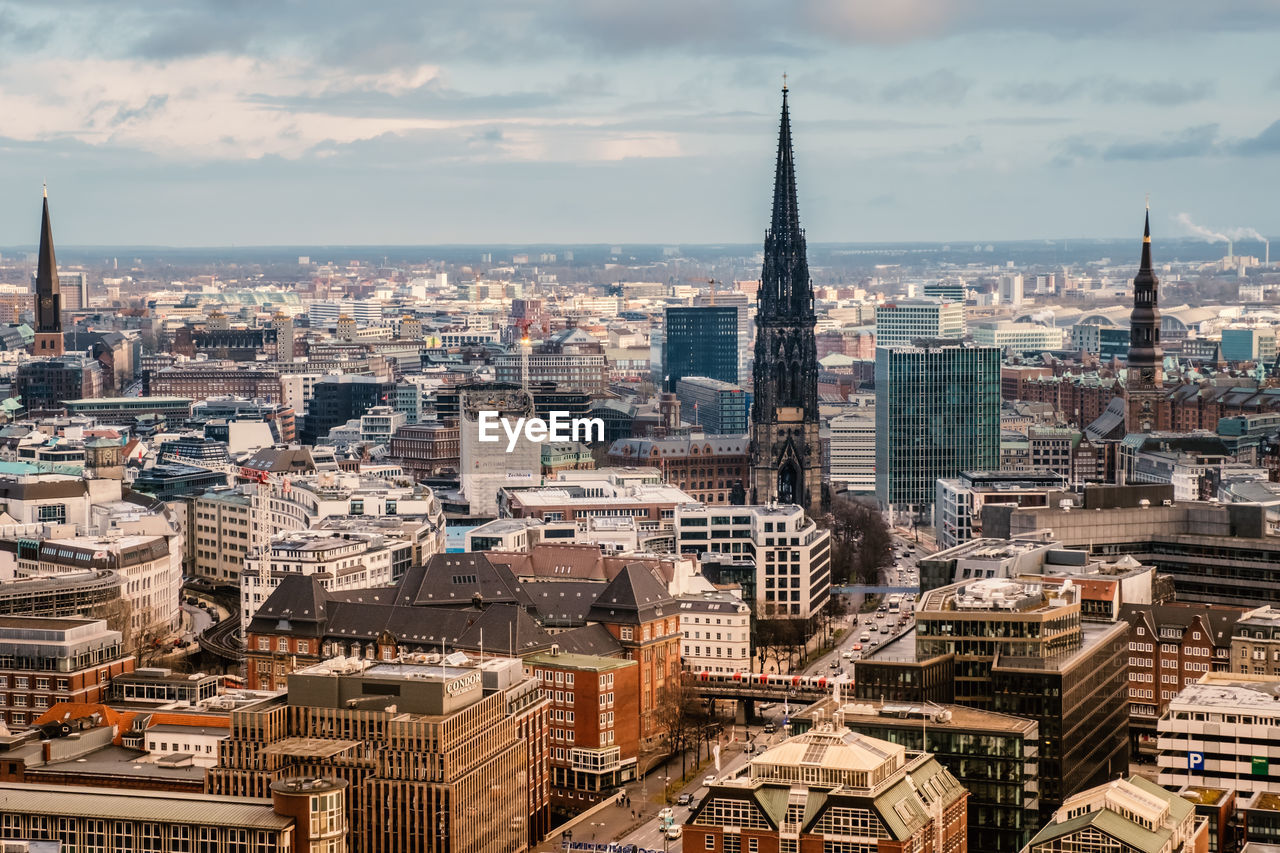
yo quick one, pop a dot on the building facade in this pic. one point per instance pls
(718, 407)
(792, 555)
(937, 414)
(700, 342)
(717, 632)
(44, 661)
(901, 323)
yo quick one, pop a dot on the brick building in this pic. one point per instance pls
(44, 661)
(202, 380)
(638, 611)
(1171, 645)
(593, 724)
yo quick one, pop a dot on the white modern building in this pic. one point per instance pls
(1223, 731)
(1011, 289)
(340, 560)
(716, 629)
(1019, 337)
(792, 554)
(905, 320)
(853, 452)
(380, 423)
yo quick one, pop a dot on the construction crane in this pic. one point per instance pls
(708, 281)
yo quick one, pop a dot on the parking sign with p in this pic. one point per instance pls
(1195, 761)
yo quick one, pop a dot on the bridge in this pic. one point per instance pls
(765, 693)
(873, 590)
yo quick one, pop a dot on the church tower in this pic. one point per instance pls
(48, 295)
(1144, 378)
(786, 456)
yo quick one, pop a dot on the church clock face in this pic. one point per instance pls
(1149, 374)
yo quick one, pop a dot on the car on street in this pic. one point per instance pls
(857, 647)
(673, 831)
(667, 815)
(684, 799)
(770, 728)
(866, 635)
(873, 644)
(847, 654)
(709, 781)
(835, 664)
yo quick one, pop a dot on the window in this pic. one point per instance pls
(710, 843)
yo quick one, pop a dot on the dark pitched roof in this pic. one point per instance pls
(593, 639)
(1109, 424)
(458, 579)
(1221, 620)
(275, 460)
(298, 598)
(635, 595)
(564, 602)
(502, 628)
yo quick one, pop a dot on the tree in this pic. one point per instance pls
(861, 544)
(676, 711)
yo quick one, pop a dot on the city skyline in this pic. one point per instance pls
(591, 123)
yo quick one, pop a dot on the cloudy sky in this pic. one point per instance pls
(238, 122)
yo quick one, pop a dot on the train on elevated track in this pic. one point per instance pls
(771, 680)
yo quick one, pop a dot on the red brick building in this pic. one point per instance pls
(1172, 645)
(637, 611)
(594, 724)
(87, 655)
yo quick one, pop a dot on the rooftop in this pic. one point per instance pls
(564, 660)
(113, 803)
(1232, 690)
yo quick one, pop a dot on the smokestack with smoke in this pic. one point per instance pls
(1200, 231)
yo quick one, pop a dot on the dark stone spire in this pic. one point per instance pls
(785, 289)
(785, 448)
(48, 294)
(1145, 351)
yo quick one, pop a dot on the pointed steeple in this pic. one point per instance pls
(1145, 264)
(47, 265)
(785, 288)
(48, 294)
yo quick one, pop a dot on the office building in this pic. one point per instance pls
(338, 399)
(700, 342)
(44, 661)
(1022, 649)
(937, 414)
(129, 411)
(1011, 290)
(832, 789)
(1222, 731)
(487, 467)
(792, 555)
(1172, 645)
(203, 380)
(742, 302)
(852, 461)
(958, 501)
(436, 754)
(426, 449)
(995, 757)
(1134, 815)
(47, 383)
(1019, 337)
(1215, 553)
(570, 360)
(946, 290)
(720, 408)
(341, 559)
(786, 451)
(901, 323)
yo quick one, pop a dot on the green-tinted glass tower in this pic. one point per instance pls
(937, 414)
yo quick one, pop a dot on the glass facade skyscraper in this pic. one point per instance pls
(937, 414)
(700, 342)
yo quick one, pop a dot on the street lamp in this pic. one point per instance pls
(666, 788)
